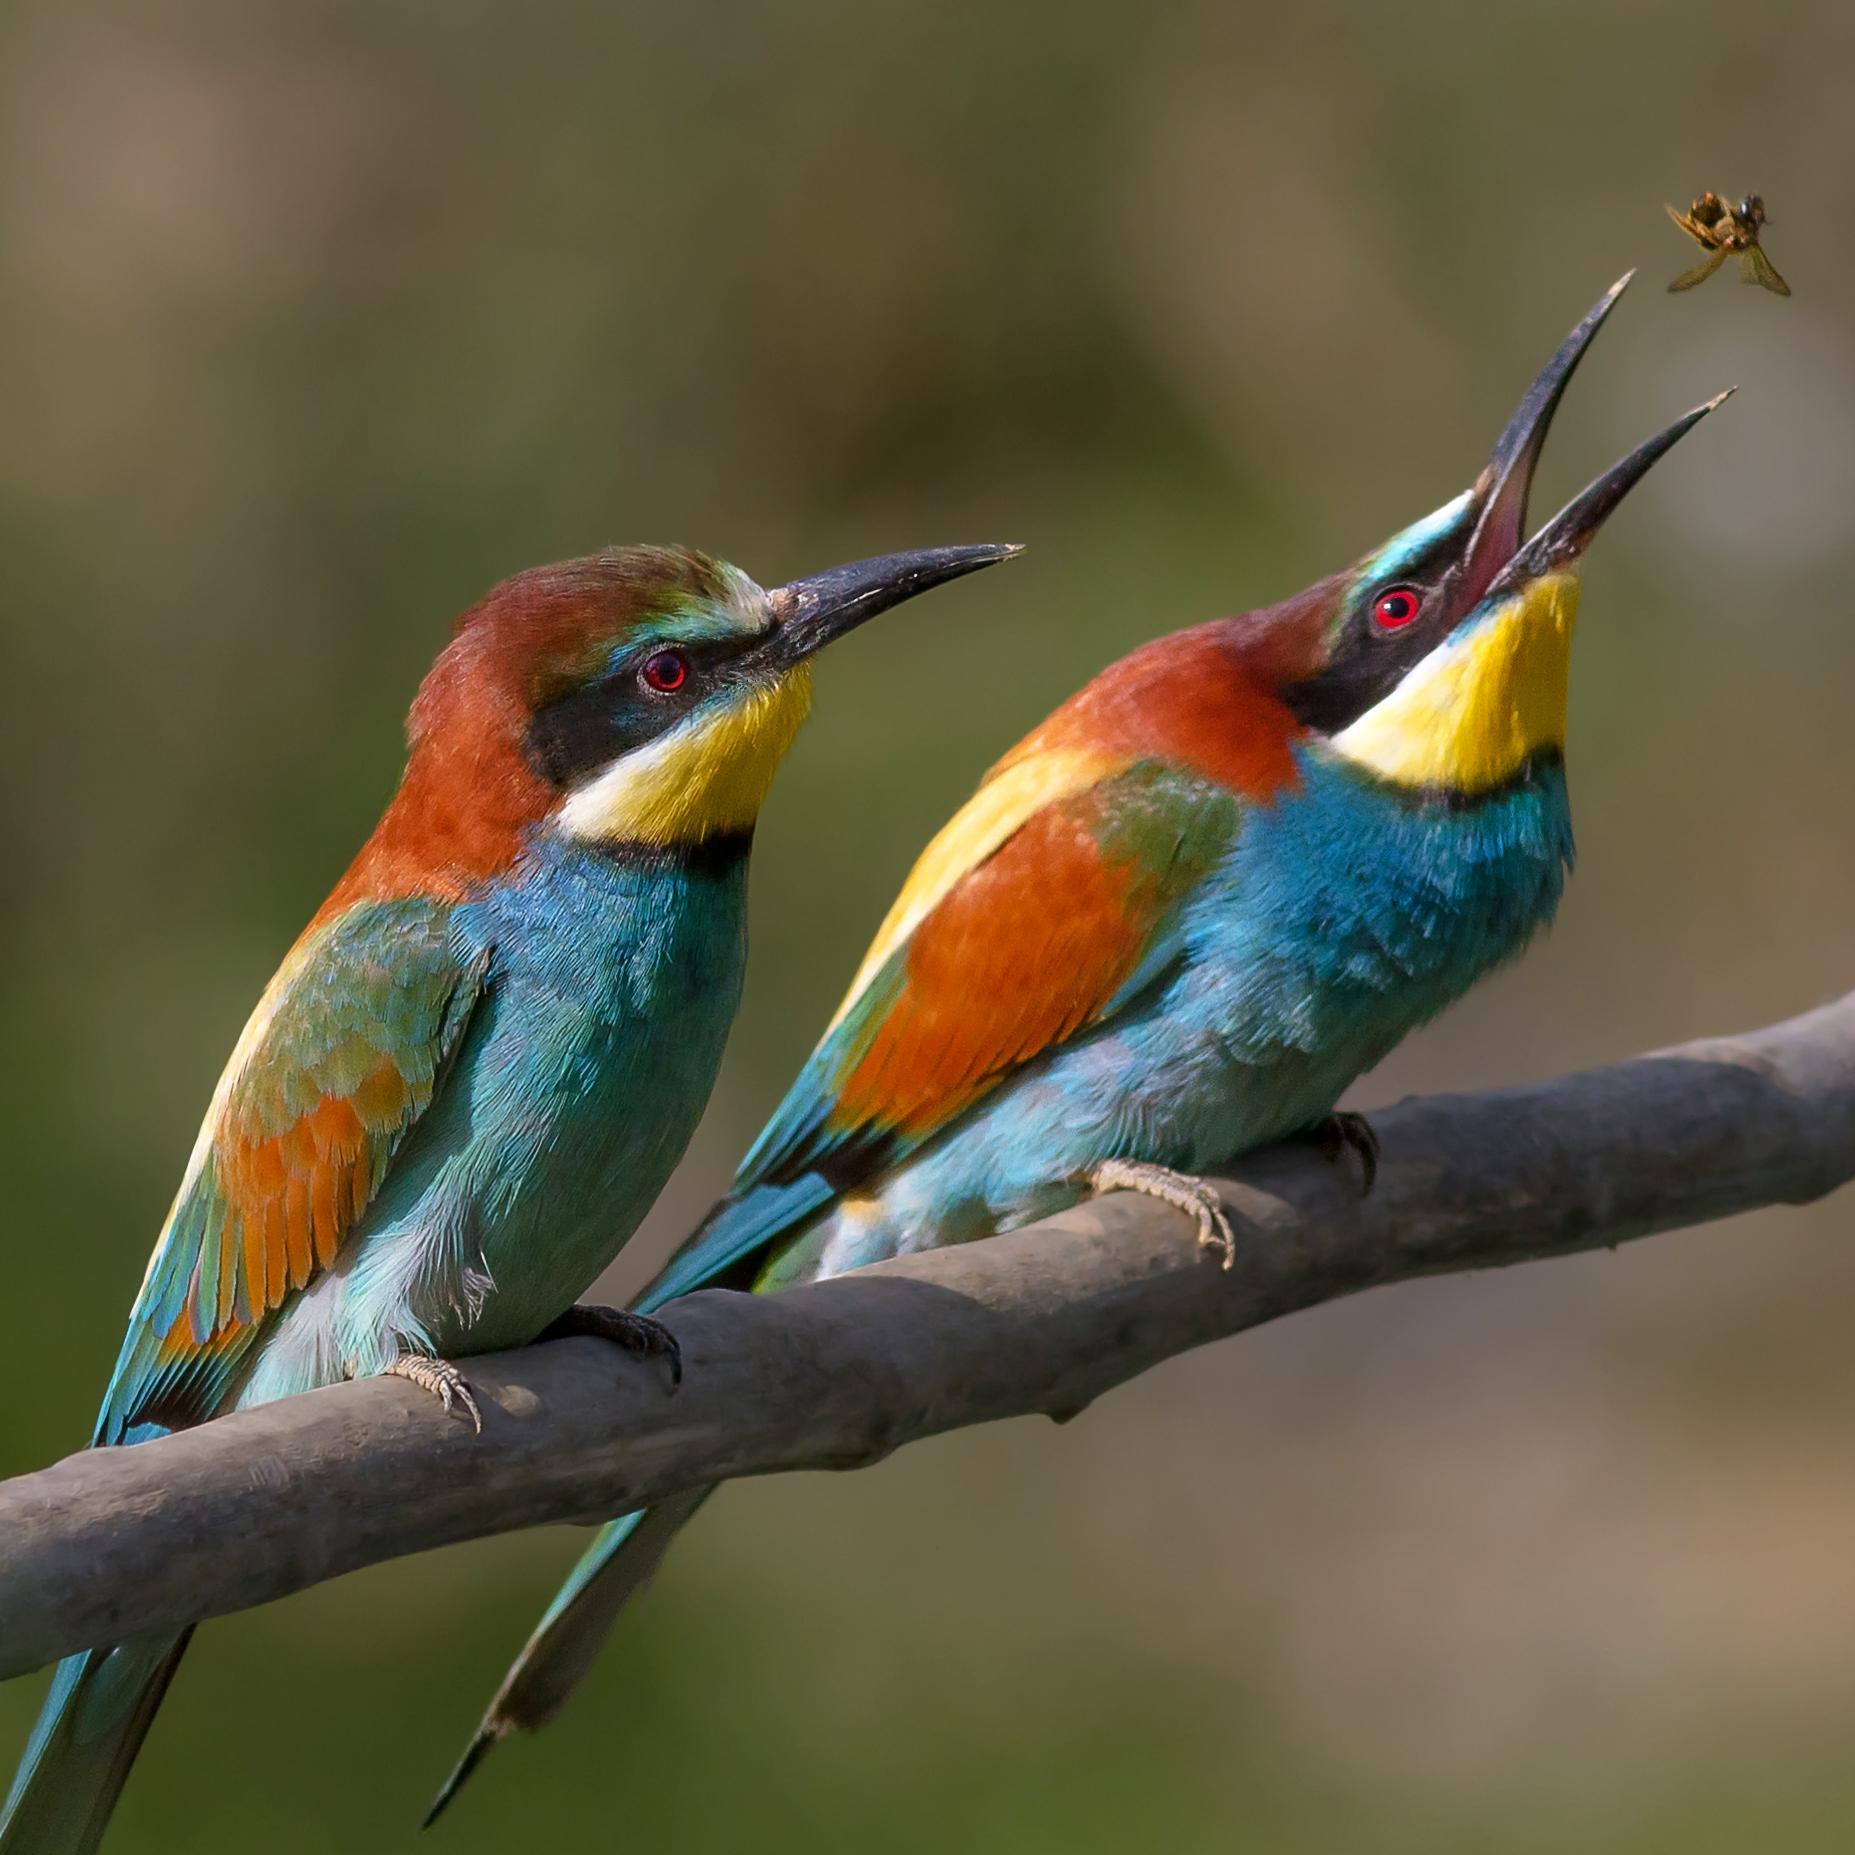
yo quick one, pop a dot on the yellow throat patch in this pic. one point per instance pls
(707, 778)
(1471, 714)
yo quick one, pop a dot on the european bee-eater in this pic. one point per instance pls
(479, 1063)
(1174, 923)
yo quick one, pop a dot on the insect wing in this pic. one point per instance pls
(1755, 267)
(1701, 271)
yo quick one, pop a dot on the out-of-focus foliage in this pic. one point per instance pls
(318, 319)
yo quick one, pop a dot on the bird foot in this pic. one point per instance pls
(1343, 1132)
(1198, 1200)
(636, 1333)
(442, 1379)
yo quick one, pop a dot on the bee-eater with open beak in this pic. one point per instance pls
(1174, 923)
(479, 1063)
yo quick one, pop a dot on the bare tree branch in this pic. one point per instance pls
(119, 1542)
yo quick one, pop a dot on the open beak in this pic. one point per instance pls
(809, 613)
(1560, 543)
(1499, 555)
(1501, 490)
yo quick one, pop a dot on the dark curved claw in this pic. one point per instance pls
(638, 1334)
(1343, 1132)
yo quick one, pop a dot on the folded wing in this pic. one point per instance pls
(1050, 900)
(341, 1057)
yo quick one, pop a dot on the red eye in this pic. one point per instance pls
(666, 672)
(1394, 609)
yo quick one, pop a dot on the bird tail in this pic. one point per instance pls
(625, 1556)
(555, 1659)
(92, 1725)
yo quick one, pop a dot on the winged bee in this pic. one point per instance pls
(1724, 232)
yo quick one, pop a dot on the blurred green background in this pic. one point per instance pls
(319, 319)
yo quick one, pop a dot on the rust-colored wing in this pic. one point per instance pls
(342, 1055)
(1016, 951)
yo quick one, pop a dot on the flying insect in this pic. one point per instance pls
(1723, 232)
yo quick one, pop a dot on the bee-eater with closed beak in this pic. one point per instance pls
(479, 1063)
(1174, 923)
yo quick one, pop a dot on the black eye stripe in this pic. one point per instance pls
(577, 733)
(588, 728)
(1368, 661)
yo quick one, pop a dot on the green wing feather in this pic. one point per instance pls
(1051, 936)
(341, 1057)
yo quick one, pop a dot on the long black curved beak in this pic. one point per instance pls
(809, 613)
(1502, 488)
(1569, 533)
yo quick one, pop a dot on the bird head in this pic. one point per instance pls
(1440, 660)
(644, 696)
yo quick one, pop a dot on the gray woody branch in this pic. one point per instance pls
(119, 1542)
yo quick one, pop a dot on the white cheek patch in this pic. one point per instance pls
(595, 810)
(706, 777)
